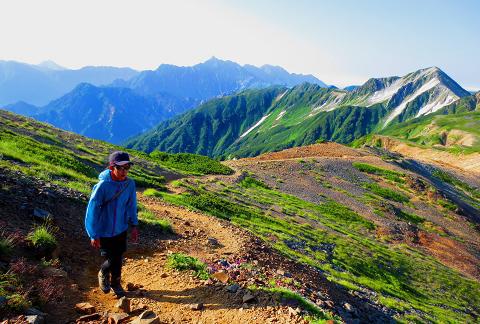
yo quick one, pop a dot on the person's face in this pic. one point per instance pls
(120, 172)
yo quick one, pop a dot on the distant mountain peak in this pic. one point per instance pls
(51, 65)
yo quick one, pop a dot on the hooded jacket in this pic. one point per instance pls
(114, 217)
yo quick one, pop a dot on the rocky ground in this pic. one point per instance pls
(236, 258)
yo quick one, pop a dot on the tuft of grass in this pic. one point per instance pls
(182, 262)
(249, 182)
(42, 237)
(412, 218)
(386, 193)
(387, 174)
(152, 193)
(149, 218)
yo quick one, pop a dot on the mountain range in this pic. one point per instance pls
(39, 84)
(129, 107)
(302, 115)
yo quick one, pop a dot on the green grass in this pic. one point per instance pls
(6, 246)
(449, 178)
(396, 272)
(412, 218)
(190, 163)
(386, 192)
(146, 217)
(42, 237)
(387, 174)
(183, 262)
(150, 192)
(249, 182)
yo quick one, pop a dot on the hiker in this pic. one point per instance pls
(112, 207)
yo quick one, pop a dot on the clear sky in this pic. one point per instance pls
(340, 42)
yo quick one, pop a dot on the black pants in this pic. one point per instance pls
(112, 248)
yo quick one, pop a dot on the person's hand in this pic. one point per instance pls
(95, 243)
(134, 235)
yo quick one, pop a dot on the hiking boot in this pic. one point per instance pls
(118, 291)
(103, 282)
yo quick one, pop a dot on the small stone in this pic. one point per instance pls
(74, 287)
(34, 311)
(85, 308)
(89, 317)
(329, 304)
(123, 304)
(212, 242)
(187, 223)
(54, 272)
(196, 307)
(147, 317)
(42, 214)
(164, 275)
(35, 319)
(294, 312)
(248, 298)
(117, 318)
(233, 288)
(281, 272)
(221, 276)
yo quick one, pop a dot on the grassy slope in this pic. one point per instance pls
(73, 161)
(339, 241)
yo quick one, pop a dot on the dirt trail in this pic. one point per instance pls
(170, 293)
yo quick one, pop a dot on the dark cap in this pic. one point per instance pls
(119, 158)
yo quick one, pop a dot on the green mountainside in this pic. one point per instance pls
(258, 121)
(73, 161)
(455, 128)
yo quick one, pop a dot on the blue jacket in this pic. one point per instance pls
(114, 217)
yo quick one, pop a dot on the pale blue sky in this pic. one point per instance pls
(340, 42)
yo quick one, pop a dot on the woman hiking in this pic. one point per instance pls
(111, 209)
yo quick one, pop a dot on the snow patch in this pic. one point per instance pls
(400, 108)
(280, 115)
(439, 102)
(386, 93)
(254, 126)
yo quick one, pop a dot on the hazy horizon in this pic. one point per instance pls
(342, 43)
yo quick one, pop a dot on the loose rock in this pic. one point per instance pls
(198, 306)
(248, 298)
(117, 318)
(85, 308)
(123, 304)
(221, 276)
(147, 317)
